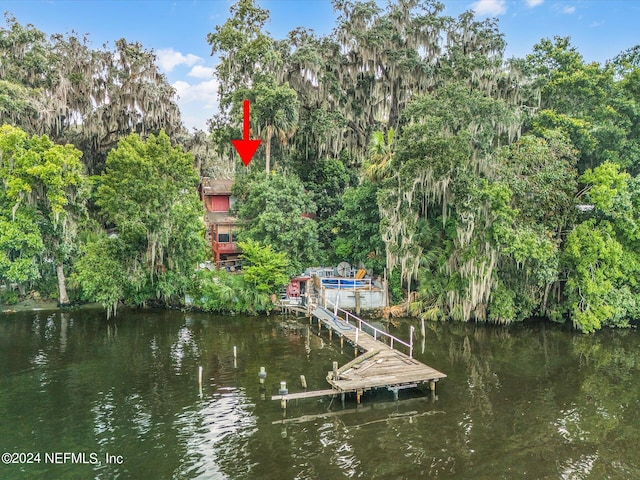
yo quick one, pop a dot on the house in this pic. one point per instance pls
(220, 224)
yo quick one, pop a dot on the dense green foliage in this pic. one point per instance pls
(264, 274)
(148, 194)
(271, 211)
(490, 190)
(484, 171)
(41, 205)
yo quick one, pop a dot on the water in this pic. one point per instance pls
(530, 401)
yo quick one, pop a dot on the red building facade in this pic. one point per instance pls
(217, 199)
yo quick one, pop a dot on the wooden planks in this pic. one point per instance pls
(380, 366)
(315, 393)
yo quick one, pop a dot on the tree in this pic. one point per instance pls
(276, 110)
(380, 154)
(530, 230)
(272, 211)
(46, 181)
(101, 272)
(148, 194)
(593, 256)
(78, 95)
(263, 268)
(601, 256)
(441, 170)
(326, 180)
(21, 247)
(584, 100)
(357, 227)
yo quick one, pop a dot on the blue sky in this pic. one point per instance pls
(176, 30)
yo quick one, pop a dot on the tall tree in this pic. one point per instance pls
(148, 194)
(45, 180)
(91, 98)
(440, 170)
(276, 110)
(586, 101)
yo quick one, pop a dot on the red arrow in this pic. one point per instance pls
(245, 147)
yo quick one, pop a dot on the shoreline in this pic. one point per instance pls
(31, 305)
(28, 305)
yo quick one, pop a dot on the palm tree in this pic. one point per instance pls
(277, 108)
(377, 167)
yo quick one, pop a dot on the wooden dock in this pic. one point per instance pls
(379, 365)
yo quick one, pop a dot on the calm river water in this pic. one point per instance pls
(84, 398)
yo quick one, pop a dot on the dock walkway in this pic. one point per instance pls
(380, 365)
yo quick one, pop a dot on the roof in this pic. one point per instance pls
(212, 186)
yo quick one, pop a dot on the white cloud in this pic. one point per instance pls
(168, 59)
(569, 10)
(597, 24)
(489, 7)
(206, 93)
(200, 71)
(197, 102)
(534, 3)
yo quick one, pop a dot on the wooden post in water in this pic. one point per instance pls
(357, 294)
(200, 380)
(335, 370)
(330, 334)
(355, 347)
(283, 391)
(303, 382)
(411, 341)
(262, 375)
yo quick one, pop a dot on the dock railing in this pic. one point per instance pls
(347, 283)
(358, 322)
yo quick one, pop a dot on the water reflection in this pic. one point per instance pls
(216, 435)
(185, 345)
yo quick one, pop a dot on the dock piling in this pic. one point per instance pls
(411, 342)
(283, 391)
(355, 346)
(395, 394)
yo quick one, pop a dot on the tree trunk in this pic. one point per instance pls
(267, 149)
(62, 287)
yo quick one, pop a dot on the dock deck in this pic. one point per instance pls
(380, 364)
